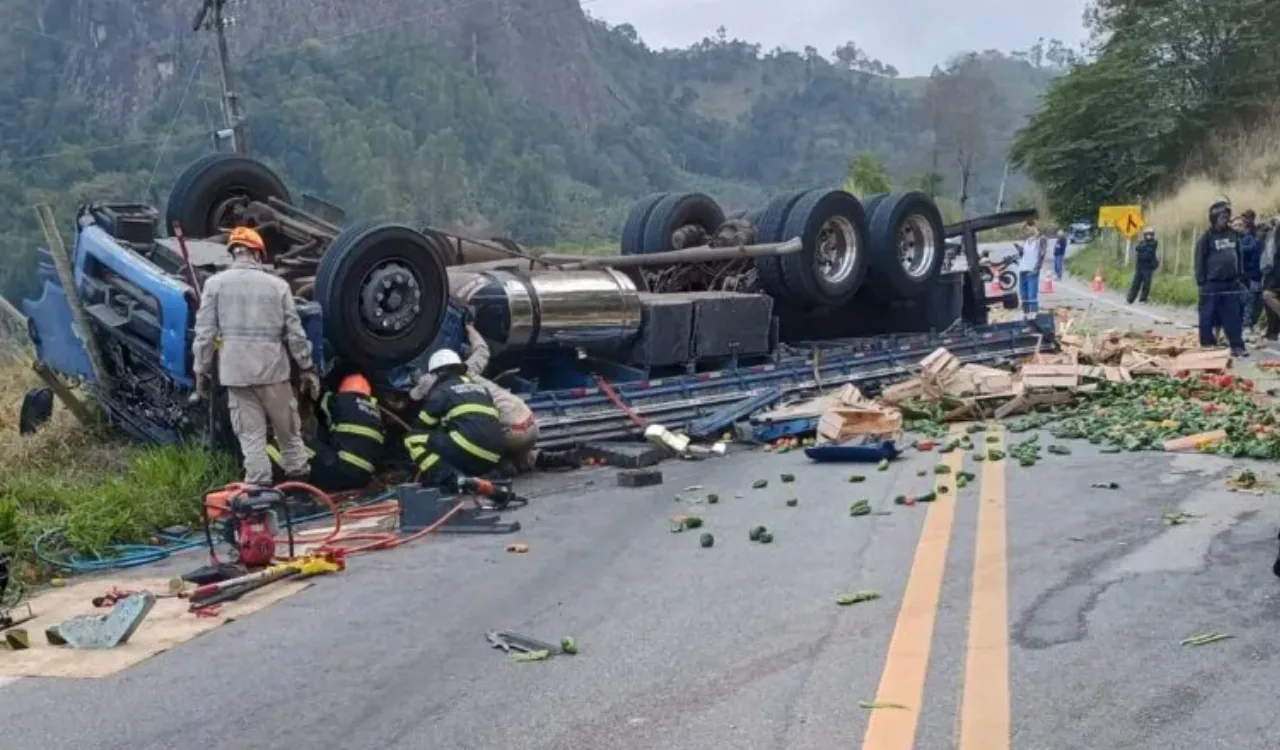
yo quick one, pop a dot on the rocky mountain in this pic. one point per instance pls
(523, 117)
(126, 53)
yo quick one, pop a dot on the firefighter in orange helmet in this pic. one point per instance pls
(347, 450)
(251, 313)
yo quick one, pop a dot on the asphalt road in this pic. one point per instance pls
(1064, 634)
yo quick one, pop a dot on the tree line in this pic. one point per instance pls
(1165, 86)
(390, 127)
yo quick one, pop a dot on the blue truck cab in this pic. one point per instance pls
(140, 303)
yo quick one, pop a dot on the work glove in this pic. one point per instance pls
(310, 385)
(204, 386)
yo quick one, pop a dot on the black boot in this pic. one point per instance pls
(567, 459)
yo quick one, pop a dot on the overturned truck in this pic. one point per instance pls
(699, 313)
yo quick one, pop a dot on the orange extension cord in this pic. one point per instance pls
(369, 541)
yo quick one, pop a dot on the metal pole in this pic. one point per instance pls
(230, 99)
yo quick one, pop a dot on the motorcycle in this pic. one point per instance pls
(1004, 270)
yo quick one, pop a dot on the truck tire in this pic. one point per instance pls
(633, 228)
(677, 210)
(384, 293)
(769, 229)
(907, 245)
(831, 267)
(871, 203)
(202, 194)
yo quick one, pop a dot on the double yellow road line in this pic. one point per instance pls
(984, 722)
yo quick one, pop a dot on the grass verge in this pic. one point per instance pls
(83, 491)
(1169, 288)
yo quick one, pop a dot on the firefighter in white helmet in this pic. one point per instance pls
(456, 433)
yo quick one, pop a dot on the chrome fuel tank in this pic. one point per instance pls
(595, 310)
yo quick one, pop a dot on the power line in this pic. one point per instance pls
(173, 122)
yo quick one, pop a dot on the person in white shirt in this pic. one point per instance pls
(1030, 261)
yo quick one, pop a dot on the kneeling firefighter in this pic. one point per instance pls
(345, 454)
(457, 438)
(519, 428)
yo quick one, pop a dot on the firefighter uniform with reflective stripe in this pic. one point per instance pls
(352, 443)
(456, 433)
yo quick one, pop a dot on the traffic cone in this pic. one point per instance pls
(1046, 286)
(1097, 280)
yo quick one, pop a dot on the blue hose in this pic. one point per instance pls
(120, 556)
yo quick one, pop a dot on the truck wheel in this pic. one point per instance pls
(675, 211)
(633, 228)
(384, 293)
(871, 203)
(208, 190)
(907, 244)
(833, 263)
(769, 229)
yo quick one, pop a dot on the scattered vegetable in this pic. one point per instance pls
(713, 498)
(527, 656)
(766, 538)
(788, 478)
(871, 705)
(793, 502)
(759, 484)
(942, 469)
(860, 508)
(569, 645)
(706, 540)
(1204, 639)
(756, 532)
(857, 478)
(857, 597)
(883, 465)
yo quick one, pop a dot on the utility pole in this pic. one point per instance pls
(1003, 181)
(218, 22)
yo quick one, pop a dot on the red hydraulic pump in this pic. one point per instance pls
(249, 518)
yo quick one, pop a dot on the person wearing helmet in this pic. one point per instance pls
(518, 425)
(251, 315)
(349, 446)
(1219, 279)
(1251, 267)
(457, 434)
(1146, 261)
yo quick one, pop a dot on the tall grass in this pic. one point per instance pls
(85, 489)
(1243, 166)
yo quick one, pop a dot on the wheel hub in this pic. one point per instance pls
(916, 246)
(390, 299)
(836, 251)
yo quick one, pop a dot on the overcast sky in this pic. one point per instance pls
(912, 35)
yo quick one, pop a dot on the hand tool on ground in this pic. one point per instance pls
(509, 642)
(8, 619)
(497, 492)
(330, 562)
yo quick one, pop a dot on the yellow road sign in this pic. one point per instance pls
(1111, 216)
(1130, 224)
